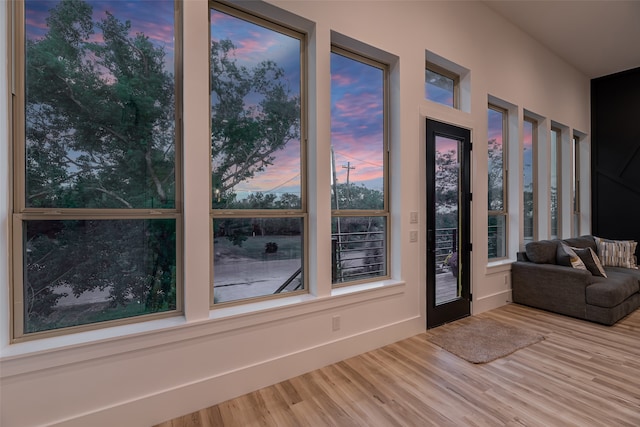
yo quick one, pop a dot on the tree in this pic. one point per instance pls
(244, 137)
(357, 197)
(495, 173)
(100, 116)
(496, 200)
(446, 189)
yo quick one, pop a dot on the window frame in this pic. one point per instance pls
(504, 213)
(385, 212)
(22, 213)
(437, 69)
(302, 212)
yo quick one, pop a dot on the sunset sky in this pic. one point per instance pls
(154, 18)
(357, 121)
(528, 155)
(356, 89)
(255, 44)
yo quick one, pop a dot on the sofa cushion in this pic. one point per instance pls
(542, 252)
(616, 253)
(628, 271)
(582, 242)
(590, 261)
(611, 291)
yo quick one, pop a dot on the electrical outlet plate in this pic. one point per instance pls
(413, 217)
(335, 323)
(413, 236)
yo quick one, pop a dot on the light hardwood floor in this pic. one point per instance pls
(582, 374)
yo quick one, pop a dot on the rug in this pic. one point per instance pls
(480, 340)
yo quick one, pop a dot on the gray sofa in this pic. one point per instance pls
(538, 281)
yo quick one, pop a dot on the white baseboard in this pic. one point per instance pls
(190, 397)
(492, 301)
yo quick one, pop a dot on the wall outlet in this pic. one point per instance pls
(413, 236)
(335, 323)
(413, 217)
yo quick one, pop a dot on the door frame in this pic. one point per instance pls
(460, 307)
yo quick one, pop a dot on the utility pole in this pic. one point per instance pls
(348, 167)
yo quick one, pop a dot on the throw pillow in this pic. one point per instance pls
(567, 257)
(616, 253)
(591, 261)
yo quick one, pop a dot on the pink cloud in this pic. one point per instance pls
(342, 80)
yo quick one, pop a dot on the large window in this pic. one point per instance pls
(529, 159)
(97, 181)
(497, 167)
(554, 184)
(257, 170)
(575, 183)
(359, 153)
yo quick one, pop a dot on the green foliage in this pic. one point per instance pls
(132, 260)
(495, 174)
(447, 189)
(357, 197)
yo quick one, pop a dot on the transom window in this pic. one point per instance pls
(359, 158)
(441, 85)
(258, 207)
(97, 176)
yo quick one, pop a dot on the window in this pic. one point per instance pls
(97, 182)
(359, 158)
(258, 207)
(576, 186)
(497, 168)
(554, 184)
(529, 158)
(441, 85)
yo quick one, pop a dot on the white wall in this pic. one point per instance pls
(146, 373)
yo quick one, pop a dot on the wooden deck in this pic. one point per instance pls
(446, 287)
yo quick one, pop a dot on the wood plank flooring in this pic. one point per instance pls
(582, 374)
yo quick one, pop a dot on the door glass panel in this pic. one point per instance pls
(447, 201)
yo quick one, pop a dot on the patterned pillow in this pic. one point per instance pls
(617, 253)
(566, 256)
(591, 261)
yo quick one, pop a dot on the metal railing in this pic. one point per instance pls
(446, 244)
(358, 255)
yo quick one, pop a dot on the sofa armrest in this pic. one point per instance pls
(550, 287)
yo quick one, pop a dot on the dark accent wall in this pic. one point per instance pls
(615, 151)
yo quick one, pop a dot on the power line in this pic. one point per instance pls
(282, 184)
(360, 160)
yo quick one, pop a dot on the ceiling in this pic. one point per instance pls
(598, 37)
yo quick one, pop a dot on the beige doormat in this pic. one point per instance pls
(480, 340)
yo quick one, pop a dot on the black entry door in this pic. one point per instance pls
(448, 223)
